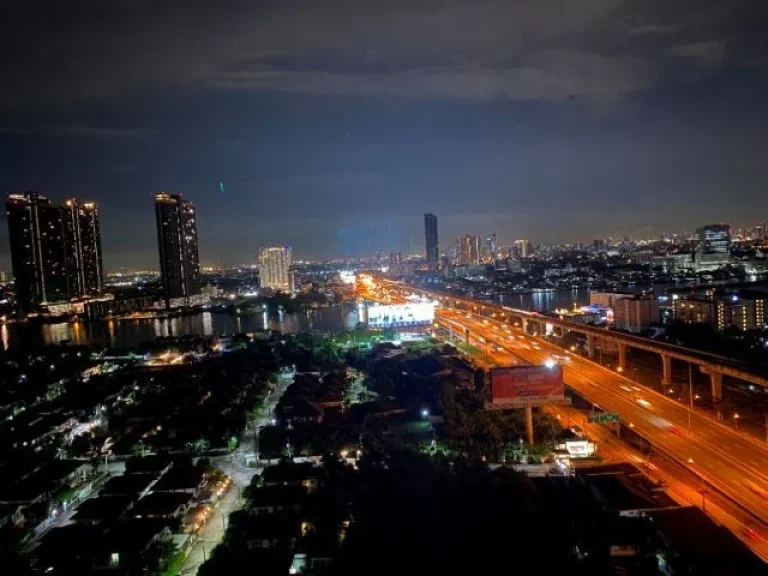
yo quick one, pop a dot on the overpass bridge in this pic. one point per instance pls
(714, 365)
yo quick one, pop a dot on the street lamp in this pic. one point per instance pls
(736, 420)
(424, 412)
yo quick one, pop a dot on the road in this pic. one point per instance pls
(733, 463)
(503, 346)
(685, 489)
(234, 466)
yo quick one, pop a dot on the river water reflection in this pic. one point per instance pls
(128, 333)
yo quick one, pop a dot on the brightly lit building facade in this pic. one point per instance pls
(275, 268)
(468, 250)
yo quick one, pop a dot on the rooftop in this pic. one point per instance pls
(128, 484)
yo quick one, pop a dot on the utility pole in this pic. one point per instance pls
(690, 397)
(529, 424)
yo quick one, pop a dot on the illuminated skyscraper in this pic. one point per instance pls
(430, 232)
(37, 250)
(177, 245)
(522, 249)
(82, 246)
(275, 268)
(491, 248)
(715, 238)
(714, 246)
(468, 250)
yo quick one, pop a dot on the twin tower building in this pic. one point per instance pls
(56, 250)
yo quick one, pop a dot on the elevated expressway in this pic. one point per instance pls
(714, 365)
(733, 463)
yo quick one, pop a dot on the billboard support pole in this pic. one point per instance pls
(529, 424)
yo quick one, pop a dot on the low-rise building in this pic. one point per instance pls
(636, 313)
(606, 299)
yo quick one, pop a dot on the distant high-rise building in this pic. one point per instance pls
(523, 249)
(491, 248)
(714, 246)
(715, 238)
(275, 268)
(177, 245)
(468, 250)
(396, 263)
(82, 247)
(430, 232)
(37, 250)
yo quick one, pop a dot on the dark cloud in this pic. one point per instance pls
(55, 53)
(552, 119)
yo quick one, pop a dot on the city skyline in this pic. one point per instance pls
(621, 117)
(410, 248)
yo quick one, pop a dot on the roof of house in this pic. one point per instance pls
(180, 478)
(625, 488)
(160, 504)
(102, 508)
(133, 535)
(128, 484)
(147, 464)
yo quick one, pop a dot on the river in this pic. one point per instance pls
(129, 333)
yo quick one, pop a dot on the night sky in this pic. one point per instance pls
(335, 125)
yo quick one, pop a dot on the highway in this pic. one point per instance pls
(680, 485)
(734, 464)
(503, 345)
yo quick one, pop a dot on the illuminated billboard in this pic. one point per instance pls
(521, 386)
(401, 315)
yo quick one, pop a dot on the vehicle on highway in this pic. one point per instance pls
(577, 431)
(675, 430)
(626, 388)
(756, 489)
(643, 403)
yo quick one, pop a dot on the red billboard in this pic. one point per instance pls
(520, 386)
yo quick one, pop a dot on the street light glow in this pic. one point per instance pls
(549, 363)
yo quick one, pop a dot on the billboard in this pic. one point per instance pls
(521, 386)
(401, 315)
